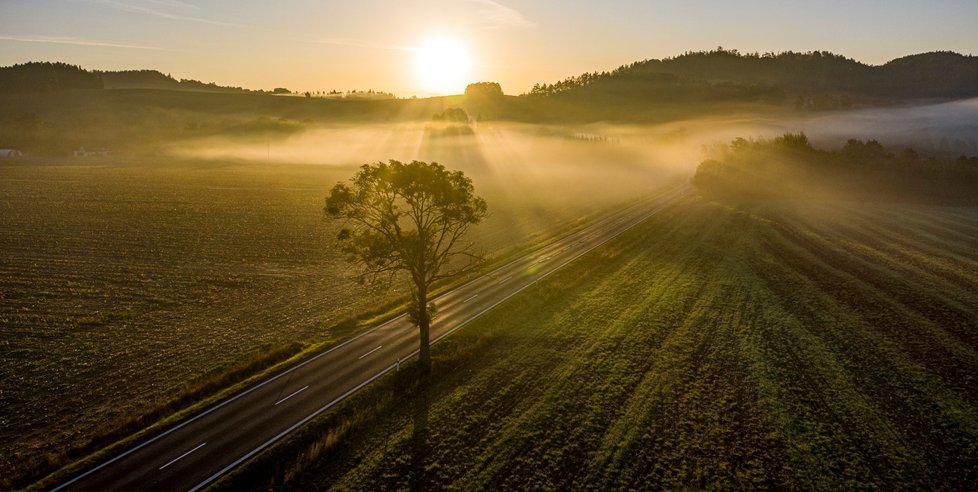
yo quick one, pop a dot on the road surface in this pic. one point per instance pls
(204, 447)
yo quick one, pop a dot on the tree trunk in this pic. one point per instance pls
(424, 325)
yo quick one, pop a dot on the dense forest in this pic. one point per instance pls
(55, 108)
(152, 79)
(790, 167)
(44, 76)
(47, 76)
(821, 79)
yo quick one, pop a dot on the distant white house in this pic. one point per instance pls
(81, 152)
(10, 153)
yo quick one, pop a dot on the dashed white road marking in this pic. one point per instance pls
(323, 354)
(184, 455)
(469, 299)
(293, 394)
(368, 353)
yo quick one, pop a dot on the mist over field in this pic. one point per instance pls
(230, 253)
(513, 165)
(717, 270)
(950, 127)
(499, 147)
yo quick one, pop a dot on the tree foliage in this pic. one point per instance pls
(452, 115)
(484, 90)
(408, 218)
(790, 167)
(46, 76)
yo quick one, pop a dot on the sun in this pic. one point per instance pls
(443, 65)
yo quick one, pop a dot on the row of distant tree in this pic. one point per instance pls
(824, 80)
(789, 166)
(335, 94)
(152, 79)
(47, 76)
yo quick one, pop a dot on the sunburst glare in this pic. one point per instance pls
(443, 65)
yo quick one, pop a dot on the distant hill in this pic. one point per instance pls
(47, 76)
(54, 108)
(729, 75)
(152, 79)
(941, 74)
(821, 79)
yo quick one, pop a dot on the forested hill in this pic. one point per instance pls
(729, 73)
(152, 79)
(47, 76)
(43, 76)
(819, 78)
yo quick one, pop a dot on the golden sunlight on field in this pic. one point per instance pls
(488, 244)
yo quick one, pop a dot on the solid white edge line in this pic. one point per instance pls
(259, 385)
(293, 394)
(588, 230)
(368, 353)
(178, 458)
(541, 277)
(313, 415)
(218, 406)
(295, 426)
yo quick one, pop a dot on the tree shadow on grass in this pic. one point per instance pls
(418, 478)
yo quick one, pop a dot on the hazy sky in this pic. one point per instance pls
(361, 44)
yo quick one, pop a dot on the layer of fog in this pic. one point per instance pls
(514, 158)
(950, 127)
(504, 147)
(540, 178)
(537, 180)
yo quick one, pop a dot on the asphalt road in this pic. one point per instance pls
(198, 451)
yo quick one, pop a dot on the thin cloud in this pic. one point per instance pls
(498, 15)
(75, 42)
(155, 8)
(359, 43)
(174, 3)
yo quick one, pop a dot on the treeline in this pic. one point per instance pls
(452, 115)
(452, 122)
(46, 76)
(790, 167)
(153, 79)
(627, 87)
(728, 73)
(49, 77)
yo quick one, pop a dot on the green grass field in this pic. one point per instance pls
(786, 347)
(127, 285)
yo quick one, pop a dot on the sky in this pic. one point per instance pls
(383, 45)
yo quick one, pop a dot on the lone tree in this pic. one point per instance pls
(408, 218)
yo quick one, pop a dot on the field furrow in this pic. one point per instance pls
(711, 348)
(124, 287)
